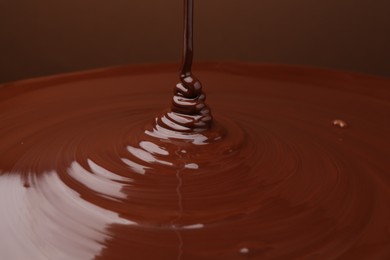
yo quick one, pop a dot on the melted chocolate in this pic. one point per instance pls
(83, 176)
(85, 173)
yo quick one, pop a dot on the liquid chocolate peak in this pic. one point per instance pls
(189, 112)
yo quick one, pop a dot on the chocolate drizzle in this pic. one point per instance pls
(189, 113)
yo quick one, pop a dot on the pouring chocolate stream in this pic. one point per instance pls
(189, 112)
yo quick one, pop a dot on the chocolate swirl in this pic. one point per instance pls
(189, 112)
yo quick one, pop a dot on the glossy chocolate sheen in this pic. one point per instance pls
(294, 166)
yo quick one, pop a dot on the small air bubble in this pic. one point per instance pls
(340, 123)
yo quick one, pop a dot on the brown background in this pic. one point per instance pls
(42, 37)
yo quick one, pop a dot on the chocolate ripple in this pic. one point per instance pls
(87, 173)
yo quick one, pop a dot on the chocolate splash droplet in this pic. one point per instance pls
(340, 123)
(244, 250)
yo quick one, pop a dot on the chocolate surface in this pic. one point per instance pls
(86, 173)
